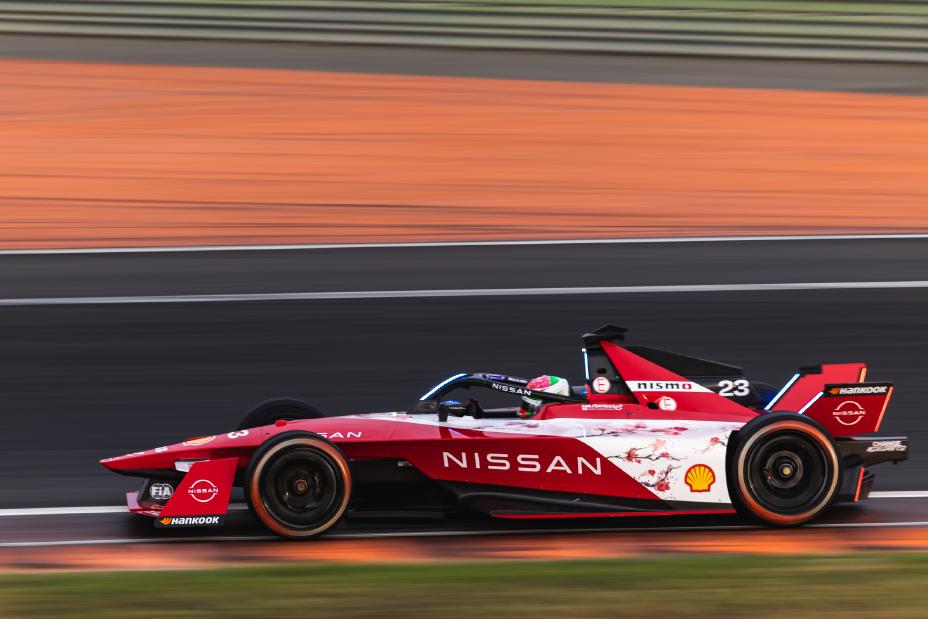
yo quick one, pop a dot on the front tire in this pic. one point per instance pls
(298, 485)
(287, 409)
(784, 470)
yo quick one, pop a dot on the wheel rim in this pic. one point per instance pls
(302, 488)
(789, 473)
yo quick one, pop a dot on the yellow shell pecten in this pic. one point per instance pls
(699, 478)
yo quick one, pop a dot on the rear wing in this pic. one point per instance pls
(835, 396)
(850, 408)
(808, 382)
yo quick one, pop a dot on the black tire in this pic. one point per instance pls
(269, 412)
(784, 469)
(298, 484)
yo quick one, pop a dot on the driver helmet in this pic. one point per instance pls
(546, 383)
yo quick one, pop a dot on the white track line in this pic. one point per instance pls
(462, 292)
(900, 494)
(865, 525)
(63, 511)
(620, 241)
(76, 511)
(119, 541)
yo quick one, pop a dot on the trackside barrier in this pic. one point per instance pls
(846, 30)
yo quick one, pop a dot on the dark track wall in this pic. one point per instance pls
(685, 71)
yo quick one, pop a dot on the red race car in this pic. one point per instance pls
(649, 433)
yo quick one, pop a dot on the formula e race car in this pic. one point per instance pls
(649, 433)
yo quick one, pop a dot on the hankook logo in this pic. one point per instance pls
(190, 521)
(865, 390)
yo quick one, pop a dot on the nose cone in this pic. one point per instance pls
(233, 444)
(148, 460)
(134, 461)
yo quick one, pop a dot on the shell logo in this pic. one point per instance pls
(699, 478)
(196, 442)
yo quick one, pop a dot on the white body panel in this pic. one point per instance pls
(656, 453)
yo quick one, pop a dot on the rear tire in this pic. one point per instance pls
(298, 485)
(784, 469)
(268, 413)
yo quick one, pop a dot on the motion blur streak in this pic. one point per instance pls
(149, 155)
(197, 551)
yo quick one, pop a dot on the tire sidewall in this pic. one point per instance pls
(265, 455)
(764, 426)
(270, 411)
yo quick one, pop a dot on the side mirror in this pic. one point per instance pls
(451, 407)
(459, 409)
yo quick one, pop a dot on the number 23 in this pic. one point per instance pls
(734, 388)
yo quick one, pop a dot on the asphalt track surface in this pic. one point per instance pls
(29, 276)
(682, 71)
(83, 382)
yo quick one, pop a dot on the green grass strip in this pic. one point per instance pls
(851, 586)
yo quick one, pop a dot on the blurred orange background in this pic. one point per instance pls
(113, 155)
